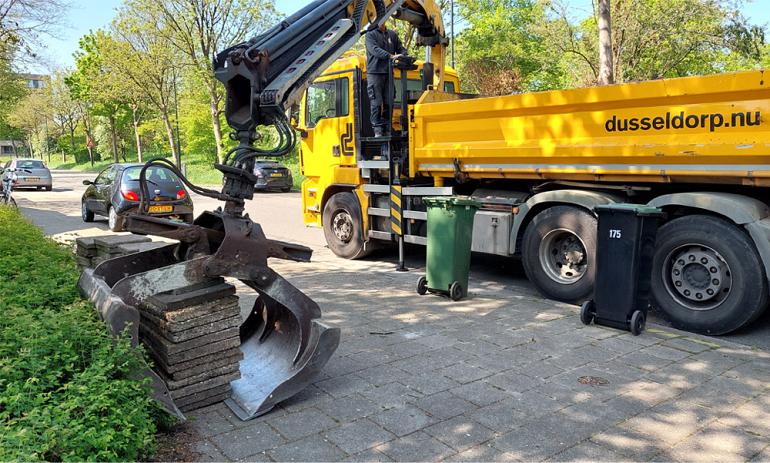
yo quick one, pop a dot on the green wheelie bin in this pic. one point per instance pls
(450, 231)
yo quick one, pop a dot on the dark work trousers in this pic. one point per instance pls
(376, 87)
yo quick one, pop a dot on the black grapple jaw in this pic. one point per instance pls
(283, 342)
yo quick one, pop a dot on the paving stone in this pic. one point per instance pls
(688, 345)
(501, 416)
(460, 432)
(541, 369)
(465, 373)
(341, 386)
(391, 395)
(349, 408)
(666, 353)
(513, 381)
(718, 443)
(436, 341)
(444, 405)
(617, 345)
(209, 422)
(429, 383)
(480, 393)
(542, 438)
(535, 404)
(311, 448)
(588, 452)
(671, 422)
(302, 423)
(244, 442)
(382, 374)
(207, 451)
(403, 420)
(630, 443)
(415, 447)
(483, 452)
(370, 455)
(359, 435)
(642, 360)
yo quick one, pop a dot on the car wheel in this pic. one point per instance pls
(85, 213)
(559, 253)
(286, 189)
(342, 226)
(114, 221)
(707, 275)
(48, 188)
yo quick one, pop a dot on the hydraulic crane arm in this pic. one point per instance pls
(267, 74)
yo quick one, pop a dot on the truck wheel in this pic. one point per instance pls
(343, 227)
(559, 253)
(707, 276)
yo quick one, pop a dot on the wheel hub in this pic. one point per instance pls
(342, 226)
(699, 278)
(563, 256)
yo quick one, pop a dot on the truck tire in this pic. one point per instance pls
(343, 227)
(707, 276)
(559, 253)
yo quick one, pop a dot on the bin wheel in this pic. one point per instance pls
(456, 291)
(422, 286)
(587, 312)
(638, 322)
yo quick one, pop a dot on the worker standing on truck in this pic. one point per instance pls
(382, 45)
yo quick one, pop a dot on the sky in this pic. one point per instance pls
(87, 15)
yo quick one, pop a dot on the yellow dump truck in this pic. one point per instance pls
(697, 147)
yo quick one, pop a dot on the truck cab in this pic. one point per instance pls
(334, 122)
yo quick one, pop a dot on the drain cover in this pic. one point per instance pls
(593, 381)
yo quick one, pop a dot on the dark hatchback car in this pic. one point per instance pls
(272, 175)
(115, 194)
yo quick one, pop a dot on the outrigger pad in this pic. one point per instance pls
(283, 343)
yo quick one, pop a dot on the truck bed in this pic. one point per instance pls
(693, 129)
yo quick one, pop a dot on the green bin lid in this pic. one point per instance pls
(454, 201)
(627, 208)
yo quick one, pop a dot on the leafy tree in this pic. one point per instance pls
(31, 116)
(652, 39)
(65, 111)
(141, 53)
(503, 49)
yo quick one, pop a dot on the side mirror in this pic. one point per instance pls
(87, 182)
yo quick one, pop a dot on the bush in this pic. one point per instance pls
(68, 390)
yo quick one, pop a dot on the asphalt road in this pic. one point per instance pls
(58, 214)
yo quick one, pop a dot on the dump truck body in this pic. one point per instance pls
(696, 129)
(697, 147)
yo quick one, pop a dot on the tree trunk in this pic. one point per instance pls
(606, 74)
(114, 139)
(215, 123)
(171, 142)
(135, 118)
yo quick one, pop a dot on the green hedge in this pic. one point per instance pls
(67, 388)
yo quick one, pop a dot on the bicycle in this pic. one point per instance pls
(8, 180)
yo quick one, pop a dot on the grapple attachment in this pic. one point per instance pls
(283, 343)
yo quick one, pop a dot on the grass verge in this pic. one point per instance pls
(68, 390)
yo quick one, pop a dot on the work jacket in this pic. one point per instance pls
(379, 47)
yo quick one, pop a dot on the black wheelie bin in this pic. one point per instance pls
(624, 251)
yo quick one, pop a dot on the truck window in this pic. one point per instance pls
(326, 99)
(411, 85)
(449, 87)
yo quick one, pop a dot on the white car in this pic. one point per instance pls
(32, 173)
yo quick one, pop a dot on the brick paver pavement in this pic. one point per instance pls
(499, 376)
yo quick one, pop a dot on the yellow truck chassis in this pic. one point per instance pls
(698, 147)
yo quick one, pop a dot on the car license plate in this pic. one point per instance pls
(32, 179)
(160, 209)
(276, 174)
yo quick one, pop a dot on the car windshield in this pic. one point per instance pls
(30, 165)
(156, 175)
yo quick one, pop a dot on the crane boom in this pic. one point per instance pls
(264, 76)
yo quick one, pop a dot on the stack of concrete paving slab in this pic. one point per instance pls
(193, 336)
(108, 247)
(92, 251)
